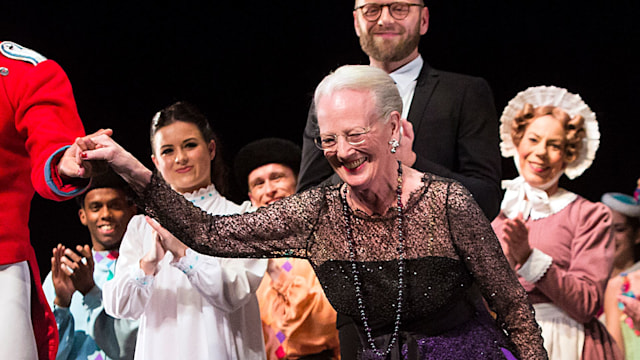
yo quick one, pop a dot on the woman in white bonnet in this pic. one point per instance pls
(559, 243)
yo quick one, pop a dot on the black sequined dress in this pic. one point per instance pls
(449, 245)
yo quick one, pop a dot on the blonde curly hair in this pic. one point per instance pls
(574, 127)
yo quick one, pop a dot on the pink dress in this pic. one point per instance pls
(579, 240)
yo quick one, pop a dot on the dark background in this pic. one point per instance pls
(252, 67)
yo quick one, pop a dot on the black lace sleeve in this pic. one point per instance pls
(282, 229)
(479, 248)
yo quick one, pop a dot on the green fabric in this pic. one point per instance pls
(631, 342)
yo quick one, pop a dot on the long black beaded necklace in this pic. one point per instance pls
(356, 273)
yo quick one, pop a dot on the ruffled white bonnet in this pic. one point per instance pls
(572, 104)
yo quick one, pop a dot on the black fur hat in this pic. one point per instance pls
(108, 179)
(263, 152)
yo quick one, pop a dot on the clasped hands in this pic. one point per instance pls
(163, 241)
(88, 156)
(71, 164)
(79, 161)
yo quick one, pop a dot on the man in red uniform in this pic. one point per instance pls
(38, 123)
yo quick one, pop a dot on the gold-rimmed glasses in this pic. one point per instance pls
(355, 136)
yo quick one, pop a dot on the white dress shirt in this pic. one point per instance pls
(406, 79)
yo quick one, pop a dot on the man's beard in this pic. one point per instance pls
(386, 51)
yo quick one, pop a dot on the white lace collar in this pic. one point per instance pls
(521, 197)
(202, 194)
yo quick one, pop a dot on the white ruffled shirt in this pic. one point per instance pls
(199, 307)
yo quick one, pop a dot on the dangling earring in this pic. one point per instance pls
(394, 145)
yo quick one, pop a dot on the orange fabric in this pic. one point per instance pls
(295, 310)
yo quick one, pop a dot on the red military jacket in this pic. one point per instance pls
(38, 120)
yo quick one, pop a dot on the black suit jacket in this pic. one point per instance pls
(456, 136)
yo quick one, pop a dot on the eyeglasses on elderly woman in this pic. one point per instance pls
(356, 136)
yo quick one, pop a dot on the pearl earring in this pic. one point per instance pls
(394, 145)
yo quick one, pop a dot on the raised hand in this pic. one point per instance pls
(81, 265)
(516, 236)
(149, 262)
(60, 276)
(70, 165)
(103, 147)
(169, 242)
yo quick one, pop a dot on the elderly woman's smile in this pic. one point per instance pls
(352, 165)
(366, 163)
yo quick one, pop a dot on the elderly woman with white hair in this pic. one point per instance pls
(559, 243)
(395, 249)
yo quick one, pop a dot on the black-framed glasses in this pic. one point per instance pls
(355, 137)
(399, 10)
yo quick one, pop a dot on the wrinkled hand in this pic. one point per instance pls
(169, 242)
(516, 236)
(60, 276)
(103, 147)
(70, 164)
(81, 265)
(405, 152)
(631, 308)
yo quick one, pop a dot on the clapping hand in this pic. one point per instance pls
(60, 276)
(149, 262)
(516, 237)
(169, 242)
(81, 265)
(71, 271)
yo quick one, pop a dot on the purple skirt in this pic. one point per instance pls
(471, 340)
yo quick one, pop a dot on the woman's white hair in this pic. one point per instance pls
(363, 78)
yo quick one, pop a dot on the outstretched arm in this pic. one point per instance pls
(281, 229)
